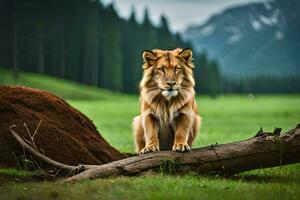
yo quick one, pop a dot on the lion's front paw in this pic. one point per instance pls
(181, 147)
(150, 148)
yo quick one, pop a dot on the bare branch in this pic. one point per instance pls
(37, 128)
(30, 136)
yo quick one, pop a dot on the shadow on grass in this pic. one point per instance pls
(13, 175)
(8, 179)
(268, 176)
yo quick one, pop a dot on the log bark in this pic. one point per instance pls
(264, 150)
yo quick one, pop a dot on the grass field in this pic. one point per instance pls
(225, 119)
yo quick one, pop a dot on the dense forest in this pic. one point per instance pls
(84, 41)
(261, 84)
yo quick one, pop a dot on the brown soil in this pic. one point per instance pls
(65, 134)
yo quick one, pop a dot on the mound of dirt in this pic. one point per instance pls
(65, 134)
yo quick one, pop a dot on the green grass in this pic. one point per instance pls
(225, 119)
(15, 172)
(155, 187)
(63, 88)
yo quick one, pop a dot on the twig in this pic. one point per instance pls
(37, 128)
(32, 136)
(28, 132)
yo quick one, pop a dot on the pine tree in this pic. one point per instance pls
(130, 44)
(112, 56)
(91, 43)
(207, 75)
(149, 37)
(164, 36)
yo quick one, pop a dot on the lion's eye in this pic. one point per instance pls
(177, 69)
(161, 69)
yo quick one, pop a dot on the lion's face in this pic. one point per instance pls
(169, 69)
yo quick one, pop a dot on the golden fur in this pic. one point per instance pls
(169, 115)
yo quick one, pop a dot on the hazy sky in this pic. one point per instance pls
(180, 13)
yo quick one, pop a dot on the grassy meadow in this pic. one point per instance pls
(225, 119)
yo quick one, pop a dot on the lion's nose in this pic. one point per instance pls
(171, 83)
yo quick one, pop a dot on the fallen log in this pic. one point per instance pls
(264, 150)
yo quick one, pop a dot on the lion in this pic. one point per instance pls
(169, 118)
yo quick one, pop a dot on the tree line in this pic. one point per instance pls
(261, 84)
(84, 41)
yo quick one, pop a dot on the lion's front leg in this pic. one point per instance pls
(151, 127)
(183, 127)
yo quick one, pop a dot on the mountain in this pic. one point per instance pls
(258, 38)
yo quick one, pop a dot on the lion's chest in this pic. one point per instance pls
(165, 136)
(166, 128)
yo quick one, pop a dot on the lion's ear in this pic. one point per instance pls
(149, 57)
(186, 55)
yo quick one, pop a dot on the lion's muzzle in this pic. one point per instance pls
(170, 93)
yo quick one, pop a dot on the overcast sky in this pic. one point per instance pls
(181, 13)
